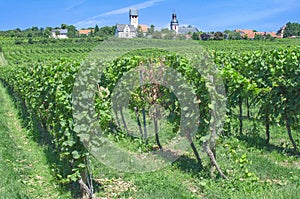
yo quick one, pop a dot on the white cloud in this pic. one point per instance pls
(75, 4)
(123, 10)
(139, 6)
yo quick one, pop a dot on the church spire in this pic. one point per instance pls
(174, 25)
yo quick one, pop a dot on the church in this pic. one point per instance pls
(131, 30)
(174, 25)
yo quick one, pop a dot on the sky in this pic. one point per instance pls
(206, 15)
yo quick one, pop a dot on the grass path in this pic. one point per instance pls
(24, 170)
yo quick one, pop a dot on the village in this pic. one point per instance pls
(134, 29)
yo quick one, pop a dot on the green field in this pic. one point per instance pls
(41, 155)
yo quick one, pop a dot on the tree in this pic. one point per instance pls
(156, 35)
(34, 29)
(63, 26)
(292, 29)
(40, 31)
(235, 35)
(164, 30)
(47, 32)
(195, 36)
(227, 32)
(151, 29)
(140, 33)
(180, 37)
(269, 37)
(57, 32)
(205, 36)
(258, 37)
(219, 36)
(167, 34)
(72, 32)
(106, 31)
(96, 29)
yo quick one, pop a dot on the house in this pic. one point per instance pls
(125, 31)
(85, 32)
(187, 30)
(143, 28)
(205, 36)
(250, 34)
(273, 34)
(280, 32)
(59, 33)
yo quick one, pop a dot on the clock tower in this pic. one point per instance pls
(133, 17)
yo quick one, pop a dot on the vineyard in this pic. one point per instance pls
(232, 108)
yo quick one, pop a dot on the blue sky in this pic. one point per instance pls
(207, 15)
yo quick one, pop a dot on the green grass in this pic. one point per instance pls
(24, 167)
(254, 169)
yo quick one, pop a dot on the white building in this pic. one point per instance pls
(131, 30)
(125, 31)
(59, 33)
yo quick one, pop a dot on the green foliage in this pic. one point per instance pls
(106, 31)
(196, 36)
(24, 165)
(267, 78)
(167, 99)
(291, 29)
(258, 37)
(72, 32)
(218, 36)
(96, 29)
(46, 89)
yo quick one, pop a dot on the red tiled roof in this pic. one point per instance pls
(85, 32)
(143, 28)
(251, 34)
(273, 34)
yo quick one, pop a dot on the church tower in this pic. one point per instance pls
(174, 25)
(133, 17)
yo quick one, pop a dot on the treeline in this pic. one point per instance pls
(167, 34)
(33, 32)
(291, 30)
